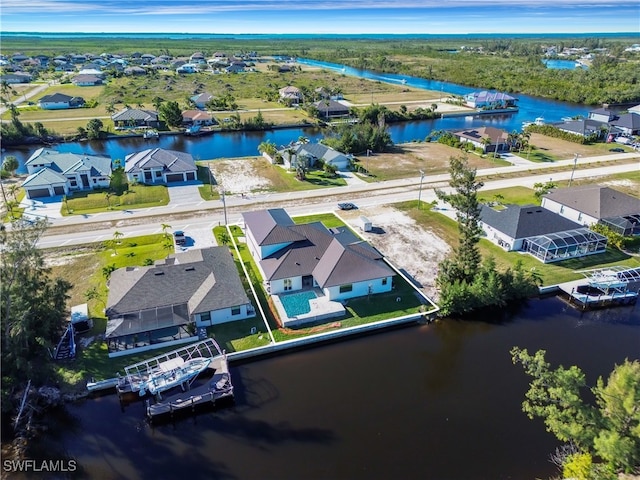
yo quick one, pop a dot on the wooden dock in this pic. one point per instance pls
(604, 288)
(210, 388)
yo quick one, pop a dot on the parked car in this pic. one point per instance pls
(179, 237)
(617, 149)
(347, 206)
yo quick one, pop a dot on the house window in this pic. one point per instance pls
(95, 181)
(346, 288)
(235, 311)
(562, 209)
(158, 174)
(205, 317)
(580, 217)
(384, 281)
(288, 284)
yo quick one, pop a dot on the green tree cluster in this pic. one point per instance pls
(464, 281)
(348, 138)
(605, 429)
(171, 114)
(33, 308)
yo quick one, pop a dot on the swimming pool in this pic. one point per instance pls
(297, 303)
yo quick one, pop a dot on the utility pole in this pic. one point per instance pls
(575, 163)
(224, 205)
(420, 190)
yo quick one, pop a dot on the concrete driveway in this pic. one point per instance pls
(198, 236)
(184, 194)
(49, 207)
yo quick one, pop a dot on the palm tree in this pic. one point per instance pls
(107, 196)
(13, 191)
(486, 142)
(115, 242)
(165, 227)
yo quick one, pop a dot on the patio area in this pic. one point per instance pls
(305, 306)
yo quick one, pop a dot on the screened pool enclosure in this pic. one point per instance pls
(555, 247)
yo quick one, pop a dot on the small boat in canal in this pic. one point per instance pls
(151, 134)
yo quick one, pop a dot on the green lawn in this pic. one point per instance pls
(551, 273)
(314, 179)
(207, 190)
(510, 195)
(137, 196)
(93, 361)
(329, 220)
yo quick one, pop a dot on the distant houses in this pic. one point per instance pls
(59, 101)
(133, 117)
(486, 100)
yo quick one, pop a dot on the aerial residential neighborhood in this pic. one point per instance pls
(319, 248)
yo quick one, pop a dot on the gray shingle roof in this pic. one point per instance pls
(333, 257)
(597, 201)
(523, 222)
(203, 280)
(170, 161)
(269, 227)
(67, 163)
(134, 114)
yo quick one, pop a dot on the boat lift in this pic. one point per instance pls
(607, 286)
(137, 375)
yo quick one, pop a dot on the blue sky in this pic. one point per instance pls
(321, 16)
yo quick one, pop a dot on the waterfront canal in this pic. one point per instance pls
(242, 144)
(425, 401)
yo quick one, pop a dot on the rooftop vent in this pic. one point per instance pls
(189, 269)
(160, 272)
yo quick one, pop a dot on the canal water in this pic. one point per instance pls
(241, 144)
(425, 401)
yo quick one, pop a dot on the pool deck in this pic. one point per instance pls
(321, 309)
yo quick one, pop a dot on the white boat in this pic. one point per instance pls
(174, 374)
(192, 130)
(537, 121)
(150, 134)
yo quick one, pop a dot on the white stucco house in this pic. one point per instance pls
(59, 101)
(590, 204)
(53, 173)
(157, 165)
(292, 257)
(313, 152)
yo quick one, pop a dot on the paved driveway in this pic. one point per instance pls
(49, 207)
(183, 194)
(197, 236)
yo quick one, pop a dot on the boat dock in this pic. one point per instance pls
(604, 287)
(211, 387)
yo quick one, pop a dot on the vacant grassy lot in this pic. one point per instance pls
(137, 196)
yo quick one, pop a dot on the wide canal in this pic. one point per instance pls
(426, 402)
(242, 144)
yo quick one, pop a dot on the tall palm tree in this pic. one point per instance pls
(165, 227)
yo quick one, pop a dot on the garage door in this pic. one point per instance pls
(58, 190)
(175, 177)
(191, 176)
(38, 192)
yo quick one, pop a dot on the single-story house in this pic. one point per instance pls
(86, 80)
(236, 67)
(333, 263)
(331, 108)
(478, 136)
(589, 204)
(583, 126)
(542, 233)
(313, 152)
(627, 123)
(59, 101)
(135, 70)
(158, 165)
(187, 68)
(163, 304)
(16, 77)
(196, 117)
(133, 117)
(489, 100)
(202, 99)
(290, 94)
(53, 173)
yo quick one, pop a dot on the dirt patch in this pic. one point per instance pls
(239, 176)
(412, 249)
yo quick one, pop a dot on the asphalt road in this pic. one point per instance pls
(77, 230)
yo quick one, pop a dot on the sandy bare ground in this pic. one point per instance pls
(412, 249)
(238, 177)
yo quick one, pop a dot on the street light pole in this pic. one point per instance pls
(575, 163)
(420, 190)
(224, 205)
